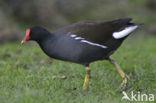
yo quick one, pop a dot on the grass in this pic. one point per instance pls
(26, 74)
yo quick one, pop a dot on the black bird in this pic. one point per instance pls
(84, 42)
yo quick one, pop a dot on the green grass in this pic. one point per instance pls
(26, 74)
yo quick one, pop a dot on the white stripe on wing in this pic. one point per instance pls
(88, 42)
(94, 44)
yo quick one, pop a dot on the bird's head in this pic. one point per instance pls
(35, 33)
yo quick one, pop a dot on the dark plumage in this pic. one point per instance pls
(82, 42)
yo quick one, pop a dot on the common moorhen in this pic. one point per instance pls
(84, 42)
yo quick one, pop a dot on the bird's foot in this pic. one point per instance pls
(124, 83)
(85, 85)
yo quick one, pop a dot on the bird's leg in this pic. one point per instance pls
(121, 73)
(86, 80)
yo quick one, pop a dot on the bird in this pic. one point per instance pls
(84, 42)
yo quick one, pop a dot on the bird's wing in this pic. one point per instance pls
(98, 32)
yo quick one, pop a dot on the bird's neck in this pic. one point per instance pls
(47, 44)
(44, 37)
(46, 41)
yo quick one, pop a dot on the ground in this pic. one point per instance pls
(27, 74)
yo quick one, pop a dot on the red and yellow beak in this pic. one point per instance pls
(27, 37)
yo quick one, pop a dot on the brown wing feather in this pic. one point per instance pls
(97, 32)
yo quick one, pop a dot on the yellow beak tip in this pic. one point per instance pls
(23, 41)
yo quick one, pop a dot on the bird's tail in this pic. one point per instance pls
(126, 27)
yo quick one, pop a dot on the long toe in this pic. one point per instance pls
(124, 83)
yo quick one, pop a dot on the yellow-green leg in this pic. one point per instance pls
(121, 73)
(86, 80)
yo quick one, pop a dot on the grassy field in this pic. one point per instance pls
(26, 74)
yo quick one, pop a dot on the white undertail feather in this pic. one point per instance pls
(125, 32)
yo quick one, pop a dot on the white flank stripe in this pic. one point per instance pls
(77, 38)
(125, 32)
(85, 41)
(94, 44)
(72, 35)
